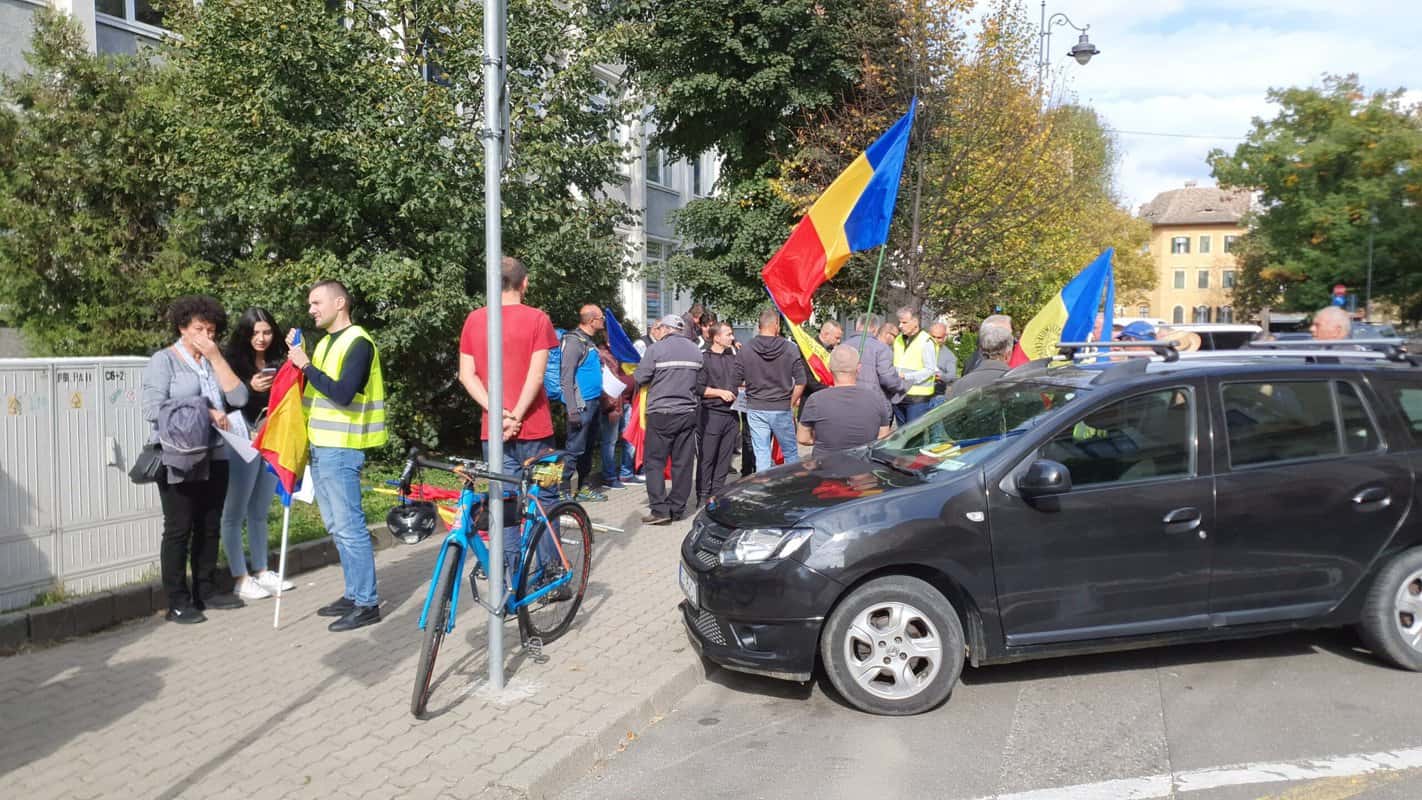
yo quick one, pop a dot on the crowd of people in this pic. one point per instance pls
(708, 397)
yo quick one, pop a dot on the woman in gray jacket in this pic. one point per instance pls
(192, 499)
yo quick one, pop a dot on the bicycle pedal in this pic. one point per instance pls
(535, 650)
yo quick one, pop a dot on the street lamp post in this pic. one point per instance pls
(1082, 51)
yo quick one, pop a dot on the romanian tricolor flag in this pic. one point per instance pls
(282, 441)
(636, 432)
(1071, 314)
(815, 355)
(618, 341)
(853, 214)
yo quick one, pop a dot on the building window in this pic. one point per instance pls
(1204, 243)
(1144, 311)
(1228, 278)
(1202, 279)
(1224, 314)
(1180, 246)
(657, 166)
(140, 11)
(1229, 243)
(1178, 315)
(700, 177)
(655, 280)
(1180, 279)
(1202, 314)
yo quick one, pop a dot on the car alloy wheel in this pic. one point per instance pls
(1408, 607)
(893, 650)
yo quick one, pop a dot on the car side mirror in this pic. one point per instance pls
(1045, 478)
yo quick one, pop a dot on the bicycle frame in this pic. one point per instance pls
(460, 535)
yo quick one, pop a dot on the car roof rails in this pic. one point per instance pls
(1130, 349)
(1393, 349)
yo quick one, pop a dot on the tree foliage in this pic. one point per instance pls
(1332, 158)
(277, 143)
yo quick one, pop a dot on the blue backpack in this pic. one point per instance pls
(589, 372)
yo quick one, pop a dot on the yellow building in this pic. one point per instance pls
(1193, 233)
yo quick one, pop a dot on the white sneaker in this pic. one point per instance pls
(252, 590)
(270, 580)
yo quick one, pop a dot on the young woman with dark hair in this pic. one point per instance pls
(192, 498)
(255, 351)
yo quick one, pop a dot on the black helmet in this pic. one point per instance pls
(413, 521)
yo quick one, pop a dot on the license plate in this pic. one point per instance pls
(688, 584)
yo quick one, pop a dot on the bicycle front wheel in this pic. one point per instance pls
(436, 623)
(560, 547)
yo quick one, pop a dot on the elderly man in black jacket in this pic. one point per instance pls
(671, 367)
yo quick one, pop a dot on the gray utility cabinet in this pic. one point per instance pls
(69, 430)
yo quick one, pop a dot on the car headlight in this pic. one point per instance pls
(754, 545)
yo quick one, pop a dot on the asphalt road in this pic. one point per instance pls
(1286, 711)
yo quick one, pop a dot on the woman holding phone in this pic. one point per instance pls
(257, 348)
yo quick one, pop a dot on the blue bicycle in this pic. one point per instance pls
(546, 569)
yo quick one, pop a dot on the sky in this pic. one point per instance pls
(1202, 68)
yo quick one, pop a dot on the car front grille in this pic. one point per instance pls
(710, 629)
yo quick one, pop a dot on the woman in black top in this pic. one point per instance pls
(256, 350)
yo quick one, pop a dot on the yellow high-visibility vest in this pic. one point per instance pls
(359, 425)
(909, 356)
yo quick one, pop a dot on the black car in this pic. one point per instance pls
(1074, 509)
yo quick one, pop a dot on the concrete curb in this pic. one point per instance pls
(564, 761)
(94, 612)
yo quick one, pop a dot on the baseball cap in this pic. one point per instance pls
(1137, 331)
(672, 321)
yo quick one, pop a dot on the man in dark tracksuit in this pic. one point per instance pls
(719, 424)
(581, 380)
(671, 367)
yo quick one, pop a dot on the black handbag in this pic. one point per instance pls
(148, 465)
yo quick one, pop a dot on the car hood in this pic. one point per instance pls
(786, 495)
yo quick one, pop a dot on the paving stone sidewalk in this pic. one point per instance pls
(234, 709)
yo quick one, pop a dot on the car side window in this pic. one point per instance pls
(1410, 401)
(1140, 437)
(1359, 433)
(1279, 421)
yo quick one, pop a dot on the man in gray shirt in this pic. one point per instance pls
(845, 415)
(876, 361)
(670, 370)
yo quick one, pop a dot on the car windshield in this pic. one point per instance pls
(969, 428)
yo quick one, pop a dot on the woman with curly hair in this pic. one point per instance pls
(256, 349)
(193, 367)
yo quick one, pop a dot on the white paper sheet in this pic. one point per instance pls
(307, 492)
(612, 386)
(240, 444)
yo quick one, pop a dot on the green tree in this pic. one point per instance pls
(1332, 160)
(96, 239)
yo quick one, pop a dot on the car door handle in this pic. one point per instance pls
(1372, 499)
(1182, 520)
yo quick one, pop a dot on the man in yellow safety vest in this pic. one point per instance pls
(916, 359)
(345, 413)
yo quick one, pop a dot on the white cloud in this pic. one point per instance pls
(1202, 68)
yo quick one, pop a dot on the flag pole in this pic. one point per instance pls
(281, 563)
(873, 289)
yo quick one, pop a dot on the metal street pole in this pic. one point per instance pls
(1368, 297)
(493, 289)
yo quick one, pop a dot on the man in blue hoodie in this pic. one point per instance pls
(774, 377)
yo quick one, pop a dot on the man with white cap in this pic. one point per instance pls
(670, 369)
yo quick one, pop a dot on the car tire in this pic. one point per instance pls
(905, 627)
(1391, 624)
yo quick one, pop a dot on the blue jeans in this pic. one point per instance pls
(515, 453)
(336, 473)
(582, 439)
(250, 489)
(904, 413)
(611, 438)
(763, 425)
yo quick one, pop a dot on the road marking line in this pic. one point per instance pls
(1157, 786)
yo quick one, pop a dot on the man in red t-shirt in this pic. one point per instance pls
(528, 336)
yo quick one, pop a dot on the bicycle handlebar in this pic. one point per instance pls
(465, 467)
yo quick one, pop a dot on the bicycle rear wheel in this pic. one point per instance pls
(566, 543)
(436, 623)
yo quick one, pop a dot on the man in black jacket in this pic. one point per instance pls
(671, 367)
(719, 425)
(774, 376)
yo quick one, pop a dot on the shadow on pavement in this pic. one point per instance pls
(31, 730)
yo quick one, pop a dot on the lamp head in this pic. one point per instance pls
(1083, 50)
